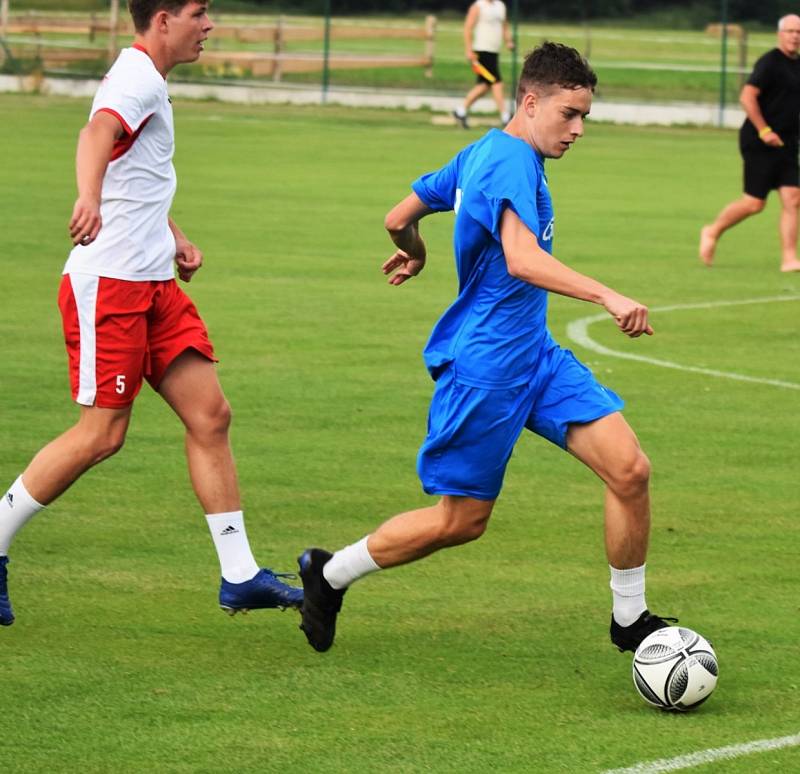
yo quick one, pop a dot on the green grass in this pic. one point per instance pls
(623, 57)
(490, 656)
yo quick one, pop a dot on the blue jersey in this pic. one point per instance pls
(496, 329)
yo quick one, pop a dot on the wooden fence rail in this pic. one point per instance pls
(262, 63)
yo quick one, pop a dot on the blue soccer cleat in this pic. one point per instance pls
(6, 613)
(263, 590)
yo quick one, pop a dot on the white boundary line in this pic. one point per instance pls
(578, 331)
(709, 756)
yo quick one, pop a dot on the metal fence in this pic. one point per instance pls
(418, 54)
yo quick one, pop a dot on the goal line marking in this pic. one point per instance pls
(578, 331)
(711, 755)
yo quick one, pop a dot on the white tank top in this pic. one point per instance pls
(487, 35)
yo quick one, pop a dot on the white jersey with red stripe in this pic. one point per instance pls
(135, 241)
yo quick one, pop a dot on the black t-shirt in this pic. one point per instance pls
(777, 77)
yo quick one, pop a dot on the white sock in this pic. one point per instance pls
(16, 508)
(505, 117)
(349, 564)
(461, 112)
(236, 562)
(627, 587)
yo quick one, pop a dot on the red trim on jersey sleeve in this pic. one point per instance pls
(123, 144)
(119, 118)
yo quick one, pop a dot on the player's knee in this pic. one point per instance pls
(754, 206)
(465, 524)
(456, 534)
(106, 444)
(632, 474)
(467, 531)
(791, 200)
(222, 416)
(213, 420)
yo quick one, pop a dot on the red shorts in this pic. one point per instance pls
(118, 332)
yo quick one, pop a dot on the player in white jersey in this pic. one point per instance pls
(485, 28)
(125, 318)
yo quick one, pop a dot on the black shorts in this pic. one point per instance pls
(766, 169)
(489, 60)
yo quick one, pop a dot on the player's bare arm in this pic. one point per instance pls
(95, 146)
(749, 101)
(402, 223)
(188, 257)
(469, 24)
(509, 38)
(527, 261)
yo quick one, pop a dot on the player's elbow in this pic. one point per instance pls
(517, 265)
(395, 222)
(748, 97)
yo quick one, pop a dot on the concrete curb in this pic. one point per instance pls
(688, 113)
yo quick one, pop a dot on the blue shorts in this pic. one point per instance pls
(472, 431)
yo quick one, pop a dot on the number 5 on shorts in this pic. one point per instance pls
(120, 384)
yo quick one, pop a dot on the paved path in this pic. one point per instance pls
(260, 93)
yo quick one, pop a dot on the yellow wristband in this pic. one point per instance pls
(765, 130)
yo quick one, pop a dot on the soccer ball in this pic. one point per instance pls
(675, 668)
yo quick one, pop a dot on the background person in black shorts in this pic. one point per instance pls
(484, 30)
(768, 141)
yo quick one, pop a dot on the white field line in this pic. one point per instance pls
(578, 331)
(594, 33)
(671, 67)
(709, 756)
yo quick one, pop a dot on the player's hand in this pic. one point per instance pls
(772, 139)
(471, 56)
(404, 266)
(629, 315)
(188, 259)
(85, 223)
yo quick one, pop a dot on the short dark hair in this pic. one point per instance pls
(143, 11)
(553, 64)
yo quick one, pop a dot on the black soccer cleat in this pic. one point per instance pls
(461, 119)
(630, 637)
(6, 613)
(321, 602)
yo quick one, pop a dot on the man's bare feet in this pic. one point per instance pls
(708, 243)
(791, 264)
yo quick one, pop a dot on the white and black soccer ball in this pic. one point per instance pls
(675, 668)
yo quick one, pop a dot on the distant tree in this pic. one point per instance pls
(698, 11)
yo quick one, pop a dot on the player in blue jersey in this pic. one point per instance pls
(497, 369)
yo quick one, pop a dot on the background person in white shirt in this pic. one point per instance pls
(125, 319)
(485, 28)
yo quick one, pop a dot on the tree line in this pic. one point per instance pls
(683, 12)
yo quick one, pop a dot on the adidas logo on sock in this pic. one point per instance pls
(229, 530)
(10, 499)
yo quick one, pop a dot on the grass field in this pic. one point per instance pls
(493, 656)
